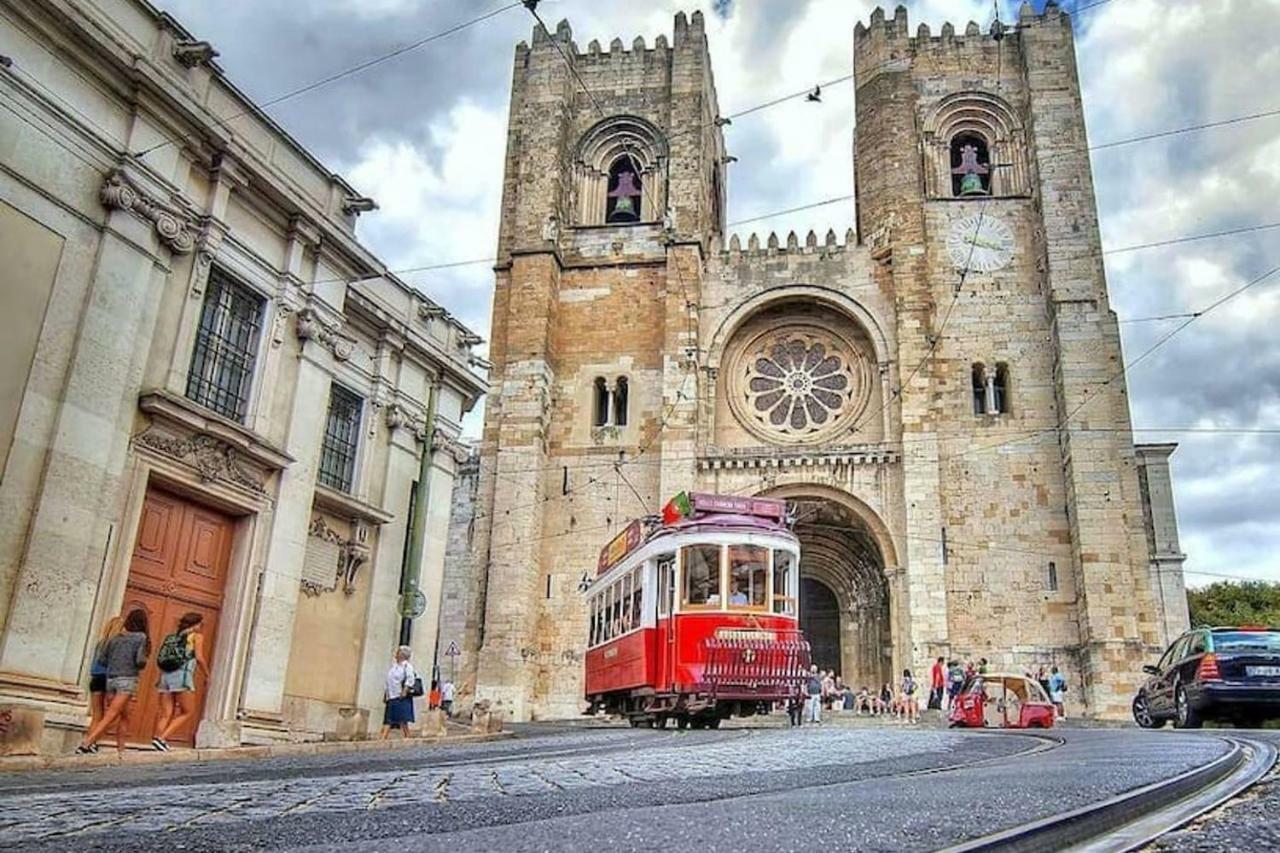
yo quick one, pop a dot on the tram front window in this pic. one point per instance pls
(783, 571)
(701, 565)
(748, 576)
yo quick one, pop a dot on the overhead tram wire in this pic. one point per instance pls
(680, 397)
(936, 339)
(950, 434)
(1064, 422)
(340, 75)
(531, 5)
(689, 304)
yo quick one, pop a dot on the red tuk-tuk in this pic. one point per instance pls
(1002, 700)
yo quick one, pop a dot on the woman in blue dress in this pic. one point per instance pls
(398, 712)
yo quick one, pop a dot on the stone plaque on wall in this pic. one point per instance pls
(321, 562)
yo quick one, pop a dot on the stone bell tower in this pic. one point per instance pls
(972, 165)
(611, 199)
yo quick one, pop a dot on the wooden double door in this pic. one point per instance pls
(180, 560)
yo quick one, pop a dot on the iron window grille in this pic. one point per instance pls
(226, 347)
(341, 435)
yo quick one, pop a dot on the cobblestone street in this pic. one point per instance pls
(566, 788)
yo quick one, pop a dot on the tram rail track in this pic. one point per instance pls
(1132, 819)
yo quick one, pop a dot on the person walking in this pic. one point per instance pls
(433, 696)
(446, 697)
(937, 684)
(398, 712)
(123, 656)
(955, 682)
(180, 657)
(910, 704)
(1057, 691)
(814, 689)
(98, 674)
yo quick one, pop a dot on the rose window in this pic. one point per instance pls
(798, 383)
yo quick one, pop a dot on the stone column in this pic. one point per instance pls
(382, 620)
(273, 632)
(45, 635)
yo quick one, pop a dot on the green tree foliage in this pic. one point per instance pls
(1231, 603)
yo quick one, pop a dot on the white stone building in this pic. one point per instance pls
(213, 398)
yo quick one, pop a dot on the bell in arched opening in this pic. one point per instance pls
(624, 192)
(970, 165)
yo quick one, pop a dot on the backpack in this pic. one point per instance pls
(173, 653)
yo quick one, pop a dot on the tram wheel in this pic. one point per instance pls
(636, 722)
(682, 722)
(713, 723)
(660, 721)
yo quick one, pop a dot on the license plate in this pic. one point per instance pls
(1262, 671)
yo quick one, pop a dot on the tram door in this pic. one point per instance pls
(665, 599)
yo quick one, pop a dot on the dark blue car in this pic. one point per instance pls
(1213, 674)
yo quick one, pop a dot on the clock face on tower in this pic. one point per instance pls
(980, 243)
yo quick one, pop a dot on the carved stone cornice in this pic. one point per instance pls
(189, 53)
(185, 418)
(719, 460)
(309, 326)
(171, 225)
(214, 460)
(455, 448)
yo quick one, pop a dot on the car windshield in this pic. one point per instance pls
(1246, 641)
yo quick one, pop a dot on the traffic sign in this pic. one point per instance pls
(453, 650)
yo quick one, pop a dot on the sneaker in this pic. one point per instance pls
(84, 750)
(93, 749)
(159, 745)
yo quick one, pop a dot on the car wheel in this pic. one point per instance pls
(1142, 713)
(1185, 717)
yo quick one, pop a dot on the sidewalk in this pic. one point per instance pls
(108, 757)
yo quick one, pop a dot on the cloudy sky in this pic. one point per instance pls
(423, 134)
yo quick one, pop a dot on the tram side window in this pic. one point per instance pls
(625, 587)
(591, 621)
(636, 589)
(783, 571)
(616, 598)
(701, 575)
(666, 566)
(748, 575)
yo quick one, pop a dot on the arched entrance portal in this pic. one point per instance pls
(844, 594)
(820, 621)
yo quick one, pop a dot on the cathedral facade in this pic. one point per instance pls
(939, 390)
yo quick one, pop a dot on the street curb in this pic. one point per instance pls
(141, 758)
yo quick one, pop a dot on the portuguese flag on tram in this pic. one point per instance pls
(677, 508)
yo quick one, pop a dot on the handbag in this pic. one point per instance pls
(417, 690)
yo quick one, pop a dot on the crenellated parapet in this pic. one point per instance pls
(884, 40)
(790, 245)
(690, 31)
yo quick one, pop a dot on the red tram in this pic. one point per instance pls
(697, 620)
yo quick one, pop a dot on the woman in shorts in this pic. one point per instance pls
(123, 656)
(177, 689)
(98, 674)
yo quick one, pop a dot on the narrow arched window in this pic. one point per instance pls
(1000, 390)
(979, 383)
(620, 402)
(600, 403)
(970, 165)
(622, 202)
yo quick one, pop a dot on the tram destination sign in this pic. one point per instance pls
(620, 546)
(738, 505)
